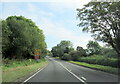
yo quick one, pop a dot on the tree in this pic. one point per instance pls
(66, 56)
(54, 51)
(108, 52)
(67, 50)
(93, 47)
(22, 37)
(65, 44)
(6, 32)
(102, 19)
(61, 48)
(81, 51)
(74, 55)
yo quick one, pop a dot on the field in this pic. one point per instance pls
(16, 70)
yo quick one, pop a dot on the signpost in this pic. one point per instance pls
(36, 54)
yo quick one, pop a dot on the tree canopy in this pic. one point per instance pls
(102, 19)
(21, 37)
(93, 47)
(61, 48)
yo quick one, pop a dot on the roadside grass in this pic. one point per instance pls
(56, 57)
(7, 63)
(100, 60)
(97, 67)
(17, 71)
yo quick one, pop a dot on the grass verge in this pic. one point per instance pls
(15, 73)
(56, 57)
(97, 67)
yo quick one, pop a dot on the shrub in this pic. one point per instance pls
(101, 60)
(109, 52)
(74, 55)
(66, 57)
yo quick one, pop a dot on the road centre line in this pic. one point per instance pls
(39, 70)
(71, 73)
(72, 64)
(83, 78)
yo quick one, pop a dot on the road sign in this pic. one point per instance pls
(36, 53)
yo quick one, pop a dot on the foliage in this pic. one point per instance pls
(49, 53)
(66, 57)
(101, 60)
(98, 67)
(61, 48)
(6, 32)
(18, 69)
(93, 47)
(74, 55)
(7, 63)
(108, 52)
(102, 19)
(21, 37)
(81, 51)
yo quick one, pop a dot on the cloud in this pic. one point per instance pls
(45, 0)
(55, 27)
(34, 9)
(69, 4)
(58, 31)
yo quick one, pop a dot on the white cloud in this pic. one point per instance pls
(69, 4)
(35, 10)
(31, 7)
(52, 28)
(57, 30)
(45, 0)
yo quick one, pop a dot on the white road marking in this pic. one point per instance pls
(73, 64)
(71, 72)
(83, 78)
(33, 75)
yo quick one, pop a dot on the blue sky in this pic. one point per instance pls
(56, 19)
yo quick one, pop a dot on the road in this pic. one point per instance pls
(61, 71)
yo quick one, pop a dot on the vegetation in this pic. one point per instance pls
(66, 57)
(109, 52)
(20, 37)
(98, 67)
(61, 48)
(100, 60)
(18, 62)
(99, 55)
(102, 19)
(19, 69)
(93, 47)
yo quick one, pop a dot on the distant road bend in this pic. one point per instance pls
(61, 71)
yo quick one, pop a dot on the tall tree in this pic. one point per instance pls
(93, 47)
(102, 19)
(61, 48)
(81, 52)
(24, 39)
(6, 32)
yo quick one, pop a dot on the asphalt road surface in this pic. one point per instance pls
(61, 71)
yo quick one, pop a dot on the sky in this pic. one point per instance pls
(57, 19)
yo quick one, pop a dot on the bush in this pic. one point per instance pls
(66, 57)
(101, 60)
(7, 63)
(74, 55)
(109, 53)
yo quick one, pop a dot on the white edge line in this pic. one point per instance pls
(33, 74)
(72, 73)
